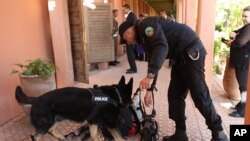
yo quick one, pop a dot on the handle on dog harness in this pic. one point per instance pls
(149, 130)
(152, 89)
(142, 106)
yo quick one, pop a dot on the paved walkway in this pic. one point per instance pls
(19, 128)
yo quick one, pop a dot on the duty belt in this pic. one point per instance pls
(193, 52)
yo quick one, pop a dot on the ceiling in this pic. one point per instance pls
(158, 5)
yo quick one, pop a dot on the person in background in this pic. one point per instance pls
(143, 15)
(163, 14)
(140, 54)
(172, 17)
(158, 37)
(115, 34)
(239, 59)
(130, 49)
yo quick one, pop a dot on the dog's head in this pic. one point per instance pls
(125, 90)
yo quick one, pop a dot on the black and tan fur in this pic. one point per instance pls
(76, 104)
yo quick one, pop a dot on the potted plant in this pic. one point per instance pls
(221, 67)
(36, 76)
(230, 83)
(228, 18)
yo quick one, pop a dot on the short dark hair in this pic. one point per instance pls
(162, 10)
(246, 8)
(114, 10)
(126, 6)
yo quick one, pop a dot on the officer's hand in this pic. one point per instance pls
(145, 83)
(148, 98)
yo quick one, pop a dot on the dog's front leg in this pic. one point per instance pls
(116, 135)
(94, 132)
(36, 137)
(55, 133)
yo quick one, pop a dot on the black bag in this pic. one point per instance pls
(149, 130)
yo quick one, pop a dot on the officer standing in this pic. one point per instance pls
(130, 49)
(164, 38)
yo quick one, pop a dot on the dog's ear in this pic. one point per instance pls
(131, 81)
(122, 80)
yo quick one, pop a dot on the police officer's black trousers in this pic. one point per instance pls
(130, 49)
(187, 75)
(242, 76)
(115, 47)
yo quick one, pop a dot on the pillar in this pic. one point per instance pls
(205, 30)
(60, 32)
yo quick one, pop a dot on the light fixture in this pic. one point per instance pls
(51, 5)
(89, 3)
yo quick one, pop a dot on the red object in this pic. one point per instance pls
(133, 130)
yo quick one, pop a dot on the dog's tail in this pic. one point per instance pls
(22, 98)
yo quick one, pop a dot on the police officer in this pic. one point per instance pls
(239, 59)
(161, 39)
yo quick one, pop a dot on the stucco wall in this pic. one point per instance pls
(24, 35)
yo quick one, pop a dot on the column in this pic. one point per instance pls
(205, 30)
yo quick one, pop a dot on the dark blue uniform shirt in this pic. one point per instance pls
(163, 38)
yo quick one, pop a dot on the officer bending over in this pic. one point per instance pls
(161, 39)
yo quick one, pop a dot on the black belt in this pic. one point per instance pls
(193, 52)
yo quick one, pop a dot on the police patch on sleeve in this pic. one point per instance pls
(149, 31)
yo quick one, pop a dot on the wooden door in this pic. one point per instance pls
(99, 35)
(78, 40)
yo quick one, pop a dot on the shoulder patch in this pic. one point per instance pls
(149, 31)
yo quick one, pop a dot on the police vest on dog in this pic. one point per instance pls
(125, 117)
(99, 98)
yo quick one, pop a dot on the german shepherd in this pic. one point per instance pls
(94, 107)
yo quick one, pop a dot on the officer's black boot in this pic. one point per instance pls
(179, 135)
(219, 136)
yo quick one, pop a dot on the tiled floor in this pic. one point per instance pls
(19, 129)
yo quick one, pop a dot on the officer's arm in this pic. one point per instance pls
(159, 45)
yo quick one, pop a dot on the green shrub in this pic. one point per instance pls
(228, 18)
(39, 67)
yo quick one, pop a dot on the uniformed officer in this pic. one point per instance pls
(161, 39)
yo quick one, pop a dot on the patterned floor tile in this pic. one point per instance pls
(19, 129)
